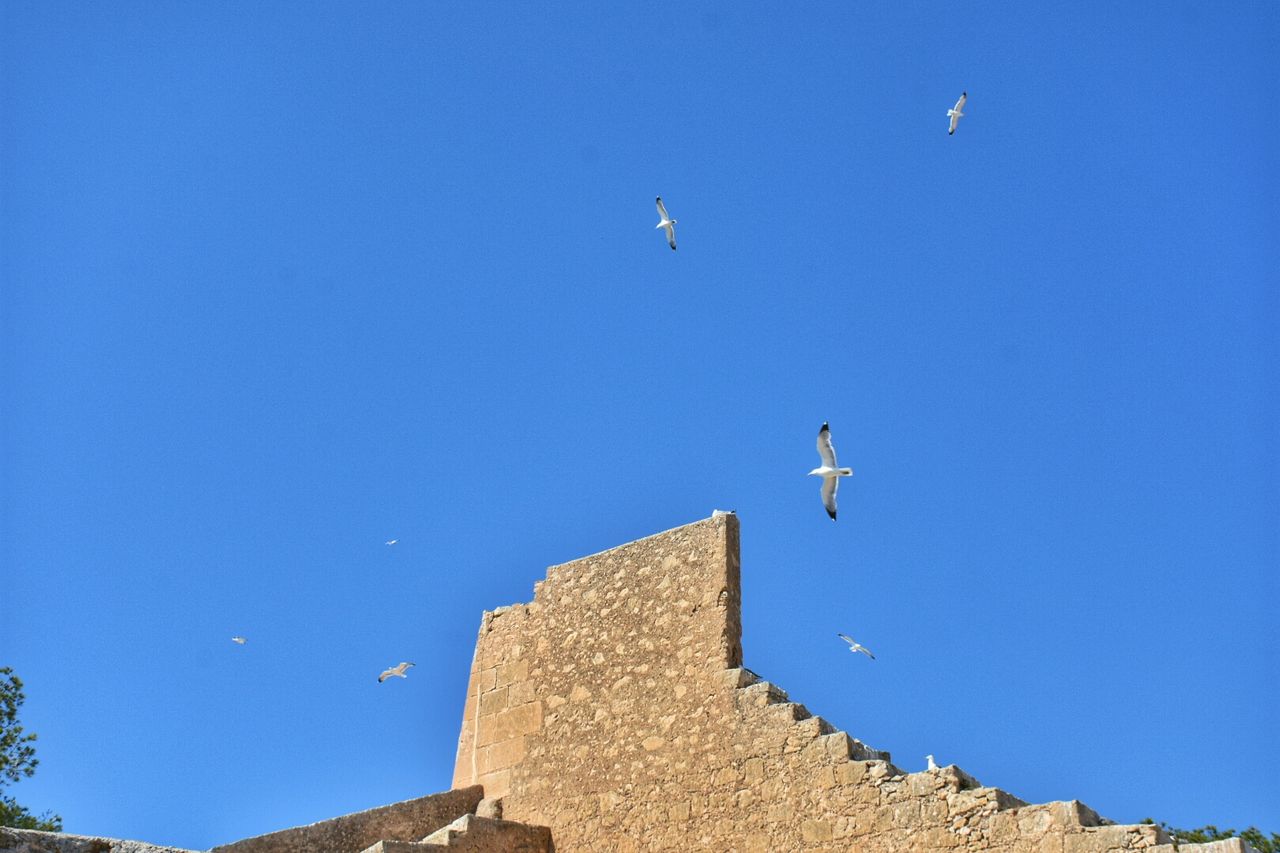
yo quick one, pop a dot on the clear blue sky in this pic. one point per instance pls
(279, 282)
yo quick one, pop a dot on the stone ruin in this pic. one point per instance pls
(613, 712)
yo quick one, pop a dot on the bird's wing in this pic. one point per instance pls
(662, 210)
(671, 235)
(385, 675)
(826, 449)
(829, 486)
(960, 103)
(952, 127)
(866, 652)
(847, 639)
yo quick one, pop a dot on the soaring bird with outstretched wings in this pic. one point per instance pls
(828, 470)
(954, 113)
(855, 646)
(396, 671)
(666, 222)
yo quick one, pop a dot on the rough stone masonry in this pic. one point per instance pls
(612, 713)
(614, 709)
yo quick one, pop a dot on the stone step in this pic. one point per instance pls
(824, 726)
(790, 712)
(842, 747)
(740, 677)
(752, 691)
(762, 693)
(472, 834)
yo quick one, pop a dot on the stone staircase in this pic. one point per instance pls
(966, 812)
(751, 691)
(476, 834)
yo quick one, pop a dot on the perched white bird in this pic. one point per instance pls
(932, 765)
(855, 646)
(716, 513)
(955, 113)
(392, 541)
(666, 222)
(238, 640)
(397, 670)
(828, 471)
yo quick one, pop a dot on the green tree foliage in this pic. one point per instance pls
(1256, 838)
(17, 757)
(19, 817)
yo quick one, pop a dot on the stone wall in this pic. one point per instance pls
(410, 820)
(614, 709)
(34, 841)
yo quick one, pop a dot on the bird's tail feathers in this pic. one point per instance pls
(846, 472)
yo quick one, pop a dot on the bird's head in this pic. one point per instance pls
(816, 472)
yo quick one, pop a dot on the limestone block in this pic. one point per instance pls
(493, 702)
(511, 672)
(815, 831)
(496, 784)
(510, 723)
(489, 807)
(486, 679)
(501, 755)
(852, 772)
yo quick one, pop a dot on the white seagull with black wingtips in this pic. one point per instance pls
(855, 646)
(396, 671)
(954, 113)
(828, 470)
(666, 222)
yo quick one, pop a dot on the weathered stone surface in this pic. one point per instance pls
(648, 733)
(487, 835)
(613, 711)
(1230, 845)
(490, 807)
(405, 821)
(34, 841)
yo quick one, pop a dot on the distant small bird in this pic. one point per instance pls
(828, 471)
(238, 640)
(392, 541)
(955, 113)
(667, 222)
(855, 646)
(397, 670)
(932, 766)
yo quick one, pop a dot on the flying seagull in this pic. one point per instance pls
(955, 113)
(391, 541)
(667, 223)
(397, 670)
(855, 646)
(828, 471)
(238, 640)
(932, 765)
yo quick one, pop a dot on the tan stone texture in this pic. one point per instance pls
(406, 821)
(627, 723)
